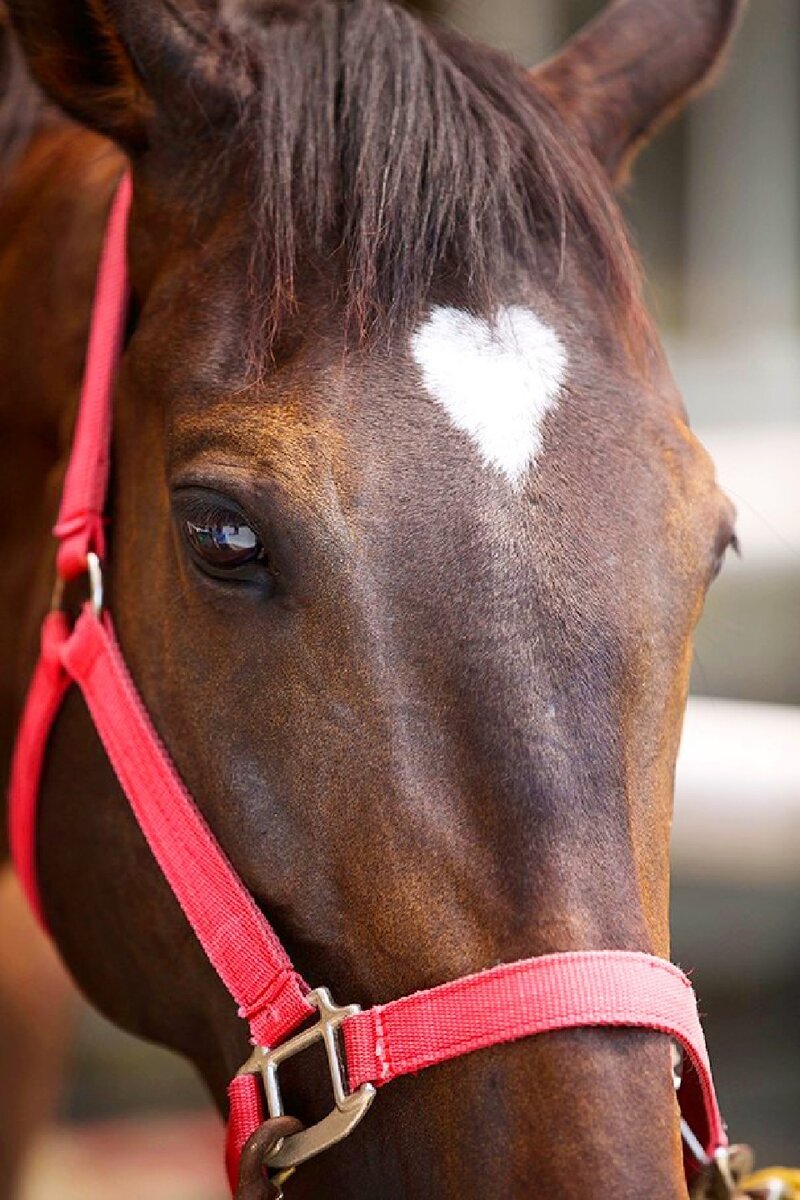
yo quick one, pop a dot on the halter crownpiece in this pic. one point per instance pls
(365, 1050)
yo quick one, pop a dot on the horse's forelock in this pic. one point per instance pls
(414, 160)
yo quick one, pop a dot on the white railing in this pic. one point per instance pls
(737, 801)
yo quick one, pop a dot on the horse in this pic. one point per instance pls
(408, 534)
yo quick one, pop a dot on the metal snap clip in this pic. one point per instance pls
(350, 1107)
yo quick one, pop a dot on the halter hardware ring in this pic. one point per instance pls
(350, 1107)
(94, 572)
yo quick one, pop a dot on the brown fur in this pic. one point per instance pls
(444, 735)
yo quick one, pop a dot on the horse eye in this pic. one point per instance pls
(224, 545)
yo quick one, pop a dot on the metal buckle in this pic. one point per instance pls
(722, 1176)
(350, 1106)
(94, 570)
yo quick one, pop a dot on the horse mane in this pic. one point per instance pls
(395, 150)
(418, 159)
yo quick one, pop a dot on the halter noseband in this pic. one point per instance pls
(365, 1050)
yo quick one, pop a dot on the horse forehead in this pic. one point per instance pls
(496, 379)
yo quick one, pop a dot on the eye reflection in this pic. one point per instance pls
(223, 544)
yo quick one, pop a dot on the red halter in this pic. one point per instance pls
(510, 1001)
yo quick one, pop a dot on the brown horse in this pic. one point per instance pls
(409, 539)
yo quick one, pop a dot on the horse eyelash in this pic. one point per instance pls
(203, 512)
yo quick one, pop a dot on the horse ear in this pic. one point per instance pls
(111, 64)
(632, 68)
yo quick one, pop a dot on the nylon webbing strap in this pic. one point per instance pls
(46, 691)
(239, 941)
(532, 996)
(245, 1115)
(79, 527)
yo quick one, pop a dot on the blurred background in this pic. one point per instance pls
(715, 209)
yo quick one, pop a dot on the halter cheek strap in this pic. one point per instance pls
(365, 1050)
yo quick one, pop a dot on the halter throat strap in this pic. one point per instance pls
(366, 1050)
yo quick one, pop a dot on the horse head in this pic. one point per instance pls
(409, 535)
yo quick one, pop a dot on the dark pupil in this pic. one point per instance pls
(224, 545)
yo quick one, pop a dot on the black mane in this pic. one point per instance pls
(389, 147)
(414, 156)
